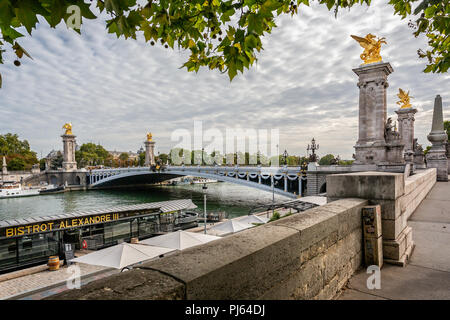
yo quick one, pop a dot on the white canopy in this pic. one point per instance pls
(122, 255)
(229, 226)
(253, 219)
(179, 240)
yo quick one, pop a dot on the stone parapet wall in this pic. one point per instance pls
(398, 198)
(309, 255)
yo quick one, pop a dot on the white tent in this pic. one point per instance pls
(122, 255)
(179, 240)
(228, 227)
(253, 219)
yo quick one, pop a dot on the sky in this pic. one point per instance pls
(113, 90)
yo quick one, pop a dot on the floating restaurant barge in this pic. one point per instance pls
(30, 241)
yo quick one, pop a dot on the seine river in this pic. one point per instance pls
(234, 199)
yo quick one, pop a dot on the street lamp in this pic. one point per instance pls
(203, 150)
(273, 197)
(285, 155)
(204, 202)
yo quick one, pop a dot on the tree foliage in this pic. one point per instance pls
(326, 160)
(14, 148)
(220, 34)
(92, 154)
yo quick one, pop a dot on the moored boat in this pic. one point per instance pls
(15, 190)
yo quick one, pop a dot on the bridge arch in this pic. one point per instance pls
(100, 180)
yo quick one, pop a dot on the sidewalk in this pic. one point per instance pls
(45, 280)
(427, 275)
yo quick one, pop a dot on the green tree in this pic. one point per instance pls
(124, 156)
(220, 34)
(57, 161)
(326, 160)
(42, 164)
(92, 154)
(142, 159)
(16, 164)
(163, 158)
(12, 147)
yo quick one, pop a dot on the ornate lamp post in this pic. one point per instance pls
(313, 147)
(203, 150)
(204, 202)
(285, 156)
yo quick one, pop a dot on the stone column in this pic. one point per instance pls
(406, 130)
(436, 156)
(149, 153)
(69, 163)
(370, 147)
(4, 167)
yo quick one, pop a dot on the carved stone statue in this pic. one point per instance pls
(404, 99)
(68, 127)
(371, 47)
(390, 132)
(418, 149)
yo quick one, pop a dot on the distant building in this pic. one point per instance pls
(131, 155)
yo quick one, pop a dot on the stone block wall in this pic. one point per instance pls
(309, 255)
(398, 198)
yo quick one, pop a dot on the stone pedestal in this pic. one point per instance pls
(149, 153)
(69, 143)
(390, 192)
(436, 156)
(371, 145)
(406, 130)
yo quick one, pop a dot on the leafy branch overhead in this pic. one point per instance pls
(223, 35)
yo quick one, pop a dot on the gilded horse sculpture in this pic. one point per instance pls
(371, 47)
(68, 127)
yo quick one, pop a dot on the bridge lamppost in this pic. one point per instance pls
(203, 150)
(285, 155)
(313, 147)
(273, 197)
(204, 202)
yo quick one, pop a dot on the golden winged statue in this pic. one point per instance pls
(68, 127)
(371, 47)
(404, 99)
(149, 136)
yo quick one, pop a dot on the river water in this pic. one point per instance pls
(234, 199)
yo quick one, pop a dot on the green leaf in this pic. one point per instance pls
(26, 15)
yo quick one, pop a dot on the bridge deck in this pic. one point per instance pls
(427, 276)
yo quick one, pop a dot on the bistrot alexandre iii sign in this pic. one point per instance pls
(67, 223)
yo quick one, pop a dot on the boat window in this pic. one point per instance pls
(8, 253)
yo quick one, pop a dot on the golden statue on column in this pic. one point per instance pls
(68, 127)
(371, 47)
(404, 99)
(149, 136)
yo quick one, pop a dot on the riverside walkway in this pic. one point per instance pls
(427, 275)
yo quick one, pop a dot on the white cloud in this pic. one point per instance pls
(114, 91)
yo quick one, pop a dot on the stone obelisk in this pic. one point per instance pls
(149, 151)
(4, 167)
(436, 156)
(69, 143)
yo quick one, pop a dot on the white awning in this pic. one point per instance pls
(251, 219)
(179, 240)
(228, 227)
(122, 255)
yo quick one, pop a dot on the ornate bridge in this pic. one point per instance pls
(286, 181)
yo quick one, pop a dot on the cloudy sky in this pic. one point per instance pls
(114, 91)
